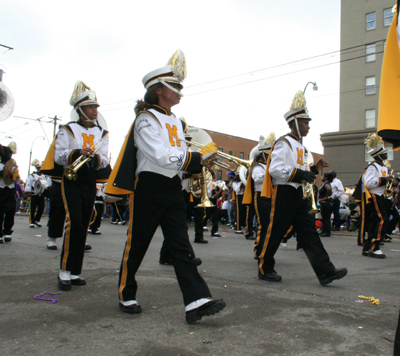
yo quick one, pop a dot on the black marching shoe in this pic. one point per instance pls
(249, 237)
(210, 308)
(63, 285)
(270, 276)
(130, 309)
(88, 247)
(165, 261)
(336, 273)
(201, 241)
(325, 234)
(78, 282)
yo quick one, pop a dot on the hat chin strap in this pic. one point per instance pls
(170, 87)
(84, 115)
(298, 131)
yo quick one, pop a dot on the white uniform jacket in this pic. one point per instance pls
(372, 178)
(287, 157)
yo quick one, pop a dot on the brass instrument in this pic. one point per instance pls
(308, 193)
(388, 190)
(204, 201)
(238, 161)
(195, 184)
(71, 172)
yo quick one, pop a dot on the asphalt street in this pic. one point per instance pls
(297, 316)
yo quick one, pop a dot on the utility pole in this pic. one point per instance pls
(55, 119)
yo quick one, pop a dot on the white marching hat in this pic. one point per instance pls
(264, 145)
(173, 72)
(82, 96)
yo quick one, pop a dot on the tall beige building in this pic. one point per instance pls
(363, 31)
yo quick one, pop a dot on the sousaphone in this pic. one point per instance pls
(10, 172)
(6, 100)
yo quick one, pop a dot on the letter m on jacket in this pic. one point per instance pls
(300, 156)
(173, 135)
(87, 140)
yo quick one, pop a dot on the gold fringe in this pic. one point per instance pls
(178, 63)
(299, 102)
(373, 140)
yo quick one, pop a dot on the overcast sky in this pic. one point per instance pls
(245, 62)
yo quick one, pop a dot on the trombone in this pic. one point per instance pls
(71, 172)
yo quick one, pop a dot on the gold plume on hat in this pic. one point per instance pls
(299, 102)
(79, 88)
(270, 139)
(35, 162)
(178, 64)
(373, 140)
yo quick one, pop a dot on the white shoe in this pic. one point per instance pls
(283, 244)
(64, 275)
(32, 225)
(205, 228)
(395, 231)
(89, 231)
(51, 243)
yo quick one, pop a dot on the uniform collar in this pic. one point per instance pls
(87, 126)
(294, 137)
(160, 109)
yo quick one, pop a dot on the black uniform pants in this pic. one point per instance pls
(57, 212)
(37, 201)
(391, 210)
(7, 210)
(262, 208)
(379, 222)
(336, 214)
(326, 211)
(97, 213)
(78, 199)
(158, 201)
(240, 212)
(118, 212)
(289, 208)
(250, 212)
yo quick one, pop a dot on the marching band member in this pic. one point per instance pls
(374, 182)
(150, 165)
(75, 140)
(286, 170)
(238, 187)
(252, 193)
(7, 194)
(37, 198)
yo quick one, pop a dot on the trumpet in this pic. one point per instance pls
(308, 193)
(71, 172)
(238, 161)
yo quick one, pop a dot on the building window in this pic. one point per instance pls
(230, 153)
(371, 21)
(387, 17)
(370, 51)
(219, 157)
(369, 118)
(219, 175)
(389, 149)
(370, 85)
(241, 155)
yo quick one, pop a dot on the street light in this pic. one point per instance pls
(30, 155)
(315, 87)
